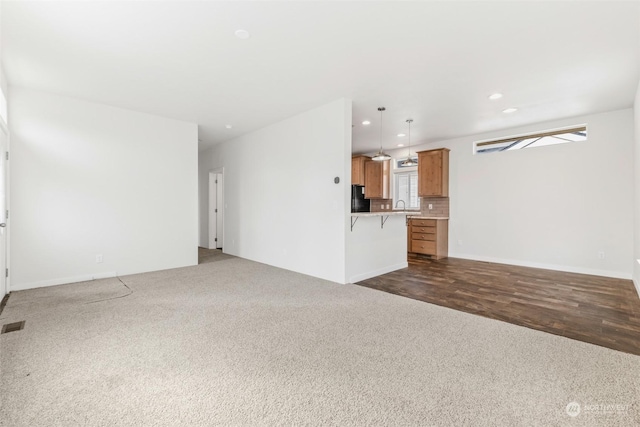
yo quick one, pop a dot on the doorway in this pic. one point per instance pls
(3, 210)
(216, 209)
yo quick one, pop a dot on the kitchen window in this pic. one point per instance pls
(541, 139)
(405, 187)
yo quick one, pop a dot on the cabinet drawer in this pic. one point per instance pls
(423, 222)
(423, 247)
(423, 230)
(421, 236)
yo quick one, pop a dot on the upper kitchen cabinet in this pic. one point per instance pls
(357, 169)
(433, 173)
(376, 179)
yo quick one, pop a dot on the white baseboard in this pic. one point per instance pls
(377, 272)
(568, 269)
(62, 281)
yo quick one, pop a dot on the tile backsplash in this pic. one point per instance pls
(381, 205)
(439, 206)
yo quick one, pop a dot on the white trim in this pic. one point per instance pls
(378, 272)
(636, 283)
(555, 267)
(8, 206)
(211, 244)
(219, 170)
(64, 281)
(4, 128)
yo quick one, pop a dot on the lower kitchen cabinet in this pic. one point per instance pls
(428, 237)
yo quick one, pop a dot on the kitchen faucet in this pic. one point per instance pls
(404, 206)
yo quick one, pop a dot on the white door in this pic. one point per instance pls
(3, 211)
(216, 214)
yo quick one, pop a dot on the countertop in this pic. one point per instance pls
(412, 214)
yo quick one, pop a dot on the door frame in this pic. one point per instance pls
(212, 193)
(4, 128)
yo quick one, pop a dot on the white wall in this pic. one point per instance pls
(282, 206)
(550, 207)
(3, 81)
(636, 234)
(90, 179)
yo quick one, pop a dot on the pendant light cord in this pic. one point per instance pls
(381, 109)
(381, 155)
(409, 121)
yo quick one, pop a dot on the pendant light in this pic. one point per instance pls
(409, 161)
(381, 155)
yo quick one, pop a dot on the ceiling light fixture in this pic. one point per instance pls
(242, 34)
(401, 135)
(381, 155)
(366, 122)
(495, 96)
(400, 145)
(409, 161)
(228, 126)
(510, 110)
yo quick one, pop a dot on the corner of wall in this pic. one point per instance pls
(636, 192)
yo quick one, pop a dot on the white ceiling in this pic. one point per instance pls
(436, 62)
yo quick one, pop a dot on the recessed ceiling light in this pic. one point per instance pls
(242, 34)
(228, 126)
(495, 96)
(366, 122)
(401, 135)
(510, 110)
(400, 145)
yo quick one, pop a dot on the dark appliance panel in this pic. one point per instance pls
(358, 202)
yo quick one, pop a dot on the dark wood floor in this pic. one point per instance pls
(597, 310)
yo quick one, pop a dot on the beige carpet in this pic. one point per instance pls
(234, 342)
(211, 255)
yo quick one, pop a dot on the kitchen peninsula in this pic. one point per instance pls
(381, 239)
(378, 242)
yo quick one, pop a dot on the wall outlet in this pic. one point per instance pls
(387, 206)
(601, 254)
(99, 258)
(430, 206)
(459, 242)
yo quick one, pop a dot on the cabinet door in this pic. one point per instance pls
(431, 174)
(373, 180)
(357, 170)
(377, 176)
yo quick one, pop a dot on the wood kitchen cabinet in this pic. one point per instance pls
(357, 169)
(377, 179)
(433, 173)
(428, 237)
